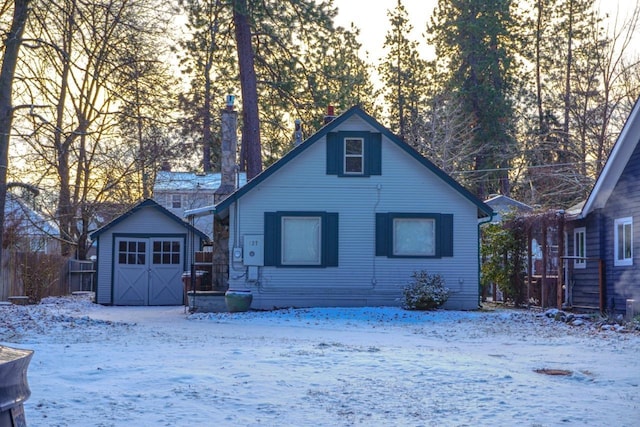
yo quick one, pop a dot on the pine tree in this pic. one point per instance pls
(477, 58)
(403, 73)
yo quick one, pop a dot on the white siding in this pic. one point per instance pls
(361, 278)
(143, 223)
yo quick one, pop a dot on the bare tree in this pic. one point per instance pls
(78, 80)
(11, 42)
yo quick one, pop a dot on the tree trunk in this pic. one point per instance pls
(251, 150)
(567, 90)
(7, 73)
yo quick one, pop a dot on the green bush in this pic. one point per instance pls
(425, 292)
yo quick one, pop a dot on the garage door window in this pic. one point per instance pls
(132, 253)
(166, 252)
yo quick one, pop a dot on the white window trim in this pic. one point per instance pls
(430, 253)
(360, 156)
(580, 263)
(283, 237)
(617, 222)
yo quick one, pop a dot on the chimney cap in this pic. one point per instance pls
(230, 101)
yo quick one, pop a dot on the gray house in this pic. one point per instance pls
(142, 255)
(602, 261)
(182, 191)
(602, 235)
(345, 218)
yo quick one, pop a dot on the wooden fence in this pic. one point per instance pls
(39, 275)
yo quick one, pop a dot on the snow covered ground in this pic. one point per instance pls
(159, 366)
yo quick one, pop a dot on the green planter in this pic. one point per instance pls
(238, 300)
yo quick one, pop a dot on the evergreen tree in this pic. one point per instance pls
(474, 51)
(403, 74)
(302, 64)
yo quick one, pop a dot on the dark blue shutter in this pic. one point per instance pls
(382, 234)
(330, 239)
(271, 239)
(446, 235)
(374, 156)
(334, 154)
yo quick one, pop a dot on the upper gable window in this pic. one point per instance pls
(354, 156)
(623, 238)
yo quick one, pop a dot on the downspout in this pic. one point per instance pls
(480, 224)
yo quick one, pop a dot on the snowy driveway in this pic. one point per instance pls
(157, 366)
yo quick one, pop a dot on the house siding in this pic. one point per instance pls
(584, 281)
(623, 282)
(147, 222)
(361, 278)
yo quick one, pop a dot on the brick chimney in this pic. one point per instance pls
(330, 115)
(229, 143)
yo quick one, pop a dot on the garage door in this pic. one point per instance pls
(148, 271)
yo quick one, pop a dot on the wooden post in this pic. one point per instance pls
(560, 263)
(529, 263)
(543, 283)
(601, 286)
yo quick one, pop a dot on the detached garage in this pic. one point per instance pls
(142, 255)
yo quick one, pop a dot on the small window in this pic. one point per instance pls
(579, 247)
(176, 201)
(623, 238)
(166, 252)
(414, 237)
(301, 240)
(132, 252)
(354, 156)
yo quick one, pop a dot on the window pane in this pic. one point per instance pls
(301, 240)
(620, 241)
(353, 164)
(353, 155)
(353, 146)
(414, 236)
(627, 241)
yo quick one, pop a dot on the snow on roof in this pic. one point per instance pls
(504, 204)
(191, 181)
(34, 222)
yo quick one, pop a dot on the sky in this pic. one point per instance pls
(108, 366)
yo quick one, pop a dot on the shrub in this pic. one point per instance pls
(425, 292)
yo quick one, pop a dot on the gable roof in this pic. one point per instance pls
(618, 158)
(32, 221)
(483, 209)
(148, 203)
(502, 205)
